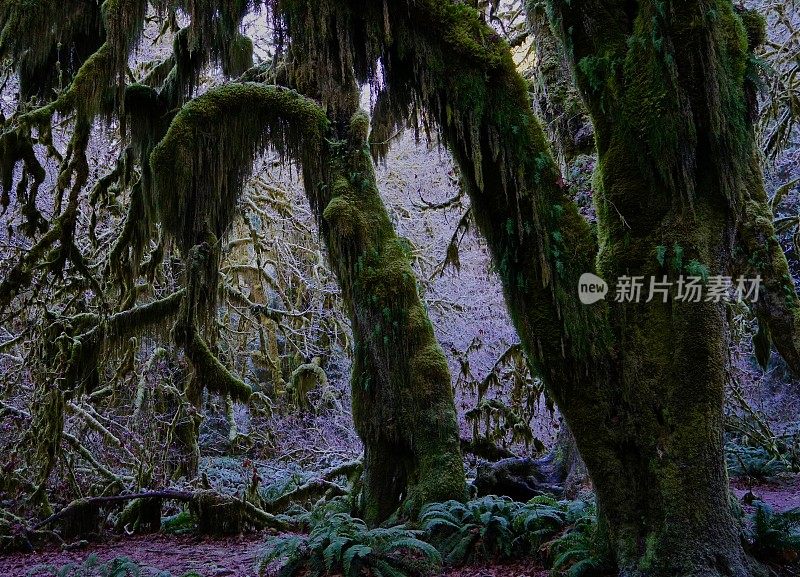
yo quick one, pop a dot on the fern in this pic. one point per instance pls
(575, 553)
(179, 524)
(492, 527)
(541, 519)
(774, 537)
(752, 462)
(343, 545)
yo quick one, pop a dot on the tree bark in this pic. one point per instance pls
(556, 100)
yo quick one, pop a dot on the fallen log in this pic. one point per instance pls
(216, 513)
(322, 486)
(520, 478)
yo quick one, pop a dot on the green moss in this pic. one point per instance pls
(201, 164)
(212, 374)
(345, 218)
(755, 26)
(238, 56)
(305, 379)
(124, 22)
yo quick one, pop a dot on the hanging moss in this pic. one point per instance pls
(212, 374)
(305, 379)
(45, 437)
(755, 26)
(48, 41)
(200, 166)
(124, 22)
(212, 36)
(238, 56)
(96, 86)
(16, 148)
(198, 171)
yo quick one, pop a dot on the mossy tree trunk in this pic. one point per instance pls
(556, 100)
(641, 385)
(666, 86)
(403, 405)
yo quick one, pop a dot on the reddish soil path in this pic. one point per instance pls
(781, 495)
(231, 557)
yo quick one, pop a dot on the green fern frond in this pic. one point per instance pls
(774, 537)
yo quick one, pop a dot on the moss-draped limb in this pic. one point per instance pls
(82, 339)
(212, 374)
(761, 256)
(192, 181)
(200, 165)
(57, 244)
(199, 170)
(555, 97)
(21, 274)
(17, 146)
(92, 89)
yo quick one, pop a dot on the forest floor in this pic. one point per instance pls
(237, 556)
(231, 557)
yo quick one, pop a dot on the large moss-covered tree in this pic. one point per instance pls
(186, 164)
(669, 88)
